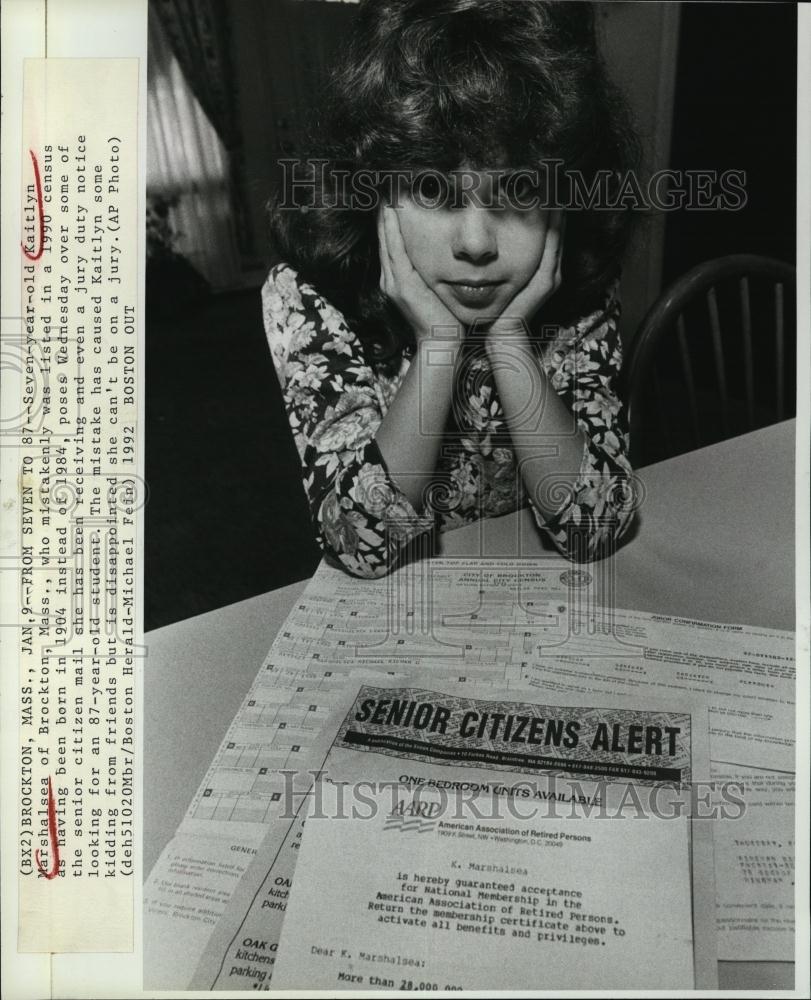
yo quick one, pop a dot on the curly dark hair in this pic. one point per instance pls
(441, 83)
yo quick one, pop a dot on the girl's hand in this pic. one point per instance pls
(540, 287)
(427, 315)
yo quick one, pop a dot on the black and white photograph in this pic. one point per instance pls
(485, 311)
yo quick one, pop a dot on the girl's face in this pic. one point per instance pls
(474, 247)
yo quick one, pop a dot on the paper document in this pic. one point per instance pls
(392, 902)
(754, 870)
(452, 824)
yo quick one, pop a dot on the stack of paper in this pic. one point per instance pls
(506, 630)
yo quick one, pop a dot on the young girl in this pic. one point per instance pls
(445, 350)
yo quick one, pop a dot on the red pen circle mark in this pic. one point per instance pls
(53, 871)
(40, 212)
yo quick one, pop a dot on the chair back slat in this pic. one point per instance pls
(692, 398)
(664, 423)
(746, 331)
(718, 351)
(779, 348)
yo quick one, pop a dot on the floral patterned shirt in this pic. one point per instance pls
(336, 399)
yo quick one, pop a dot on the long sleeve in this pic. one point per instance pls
(598, 504)
(335, 404)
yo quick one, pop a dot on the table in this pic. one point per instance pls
(714, 540)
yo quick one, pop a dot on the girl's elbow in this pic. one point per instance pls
(350, 543)
(584, 538)
(360, 568)
(366, 545)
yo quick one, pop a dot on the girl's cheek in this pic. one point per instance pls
(527, 240)
(425, 241)
(412, 230)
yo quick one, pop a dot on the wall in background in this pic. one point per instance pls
(282, 53)
(735, 109)
(640, 44)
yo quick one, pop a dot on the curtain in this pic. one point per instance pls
(286, 49)
(198, 32)
(188, 166)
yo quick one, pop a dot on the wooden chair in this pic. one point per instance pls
(714, 357)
